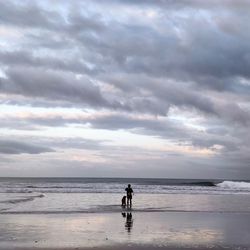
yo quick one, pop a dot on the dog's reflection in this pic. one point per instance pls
(129, 221)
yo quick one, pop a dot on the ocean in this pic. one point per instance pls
(94, 195)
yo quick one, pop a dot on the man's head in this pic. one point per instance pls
(129, 185)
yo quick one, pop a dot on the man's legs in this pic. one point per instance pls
(130, 202)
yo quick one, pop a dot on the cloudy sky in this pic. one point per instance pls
(130, 88)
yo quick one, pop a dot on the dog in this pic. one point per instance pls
(124, 201)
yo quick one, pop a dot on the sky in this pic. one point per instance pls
(125, 88)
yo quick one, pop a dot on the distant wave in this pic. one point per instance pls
(234, 185)
(151, 186)
(83, 186)
(201, 183)
(22, 199)
(60, 187)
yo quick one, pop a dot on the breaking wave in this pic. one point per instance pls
(22, 199)
(234, 185)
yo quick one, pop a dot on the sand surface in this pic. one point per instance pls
(130, 230)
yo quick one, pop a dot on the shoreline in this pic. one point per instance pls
(140, 247)
(136, 211)
(137, 247)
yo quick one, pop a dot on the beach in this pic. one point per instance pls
(87, 214)
(144, 230)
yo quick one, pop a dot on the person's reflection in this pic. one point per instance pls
(129, 221)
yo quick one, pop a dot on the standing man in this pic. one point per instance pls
(129, 191)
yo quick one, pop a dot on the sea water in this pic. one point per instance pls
(93, 195)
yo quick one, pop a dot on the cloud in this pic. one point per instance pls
(163, 128)
(26, 58)
(187, 4)
(65, 87)
(17, 147)
(28, 15)
(183, 95)
(50, 85)
(173, 70)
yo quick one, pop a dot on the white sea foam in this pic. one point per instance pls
(234, 185)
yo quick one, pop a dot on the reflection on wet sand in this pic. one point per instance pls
(129, 221)
(172, 230)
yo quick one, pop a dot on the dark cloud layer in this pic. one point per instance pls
(28, 15)
(18, 147)
(51, 85)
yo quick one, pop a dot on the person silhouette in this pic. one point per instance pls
(129, 222)
(129, 191)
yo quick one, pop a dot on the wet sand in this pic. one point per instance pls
(128, 230)
(140, 247)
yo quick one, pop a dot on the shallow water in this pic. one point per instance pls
(93, 203)
(90, 195)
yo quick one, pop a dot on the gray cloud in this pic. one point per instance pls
(162, 55)
(73, 143)
(28, 15)
(51, 85)
(55, 86)
(18, 147)
(186, 4)
(26, 58)
(167, 54)
(172, 93)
